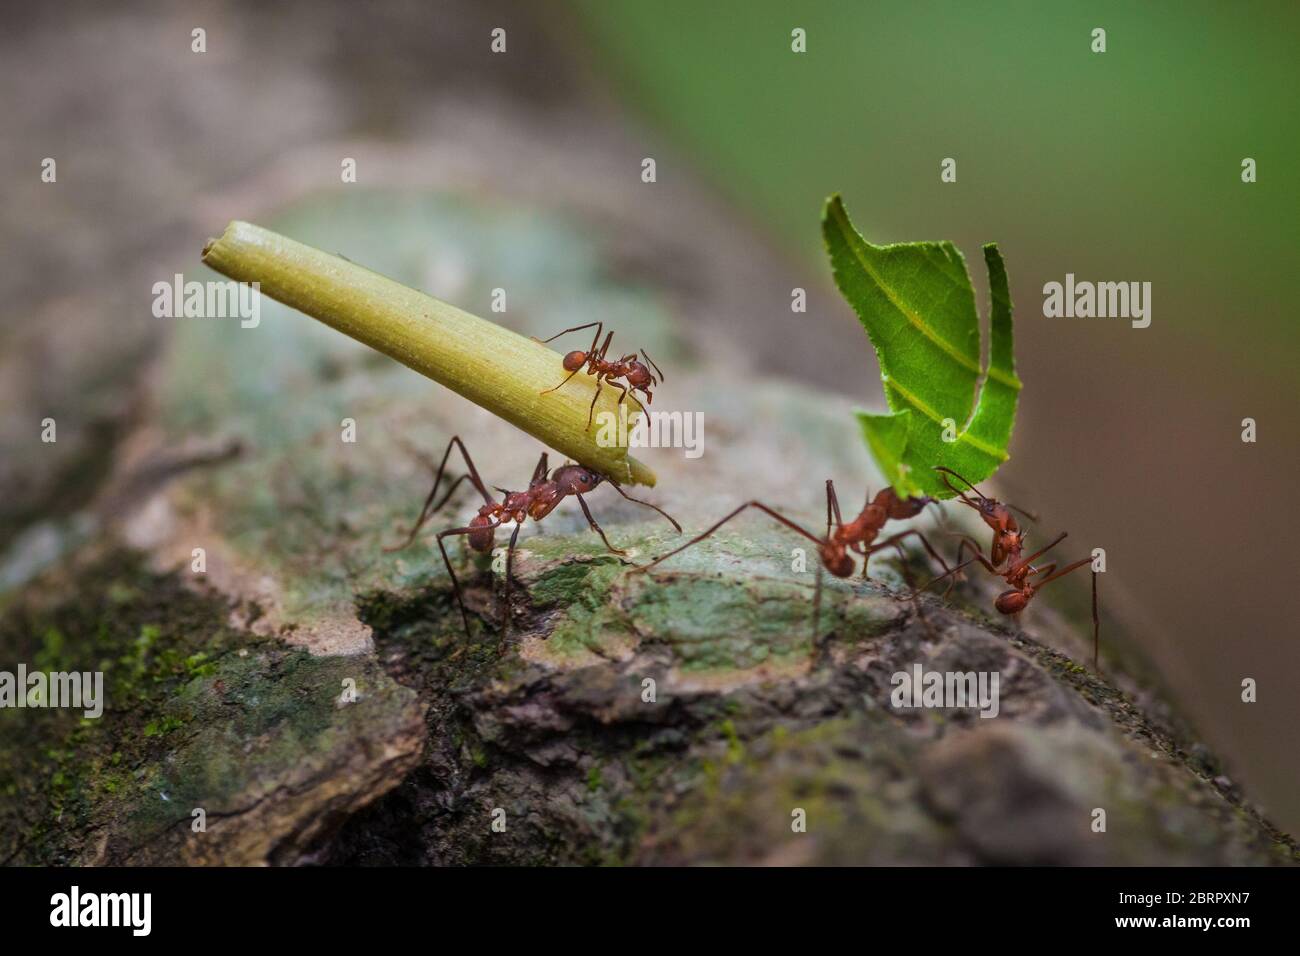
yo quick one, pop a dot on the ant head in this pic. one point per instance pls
(837, 560)
(638, 376)
(900, 509)
(574, 361)
(576, 479)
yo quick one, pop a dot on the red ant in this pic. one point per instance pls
(639, 378)
(841, 541)
(1006, 548)
(543, 495)
(1008, 539)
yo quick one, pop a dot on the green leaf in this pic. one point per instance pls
(916, 302)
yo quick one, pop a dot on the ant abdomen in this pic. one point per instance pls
(483, 533)
(1011, 602)
(574, 361)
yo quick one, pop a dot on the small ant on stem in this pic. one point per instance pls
(1007, 549)
(842, 540)
(639, 378)
(545, 492)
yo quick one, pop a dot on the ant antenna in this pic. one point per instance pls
(949, 471)
(671, 519)
(1028, 514)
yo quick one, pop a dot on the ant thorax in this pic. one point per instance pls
(543, 498)
(516, 501)
(864, 528)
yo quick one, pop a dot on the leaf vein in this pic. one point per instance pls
(917, 322)
(931, 414)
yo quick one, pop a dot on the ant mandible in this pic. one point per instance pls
(1007, 548)
(639, 378)
(545, 492)
(842, 540)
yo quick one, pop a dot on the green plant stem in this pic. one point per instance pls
(491, 366)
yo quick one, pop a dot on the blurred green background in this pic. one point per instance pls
(1123, 164)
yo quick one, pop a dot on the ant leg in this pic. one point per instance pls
(562, 384)
(671, 519)
(955, 574)
(966, 542)
(914, 595)
(600, 383)
(817, 610)
(595, 527)
(979, 556)
(1096, 621)
(652, 362)
(455, 584)
(748, 504)
(576, 328)
(832, 507)
(1023, 562)
(895, 542)
(429, 509)
(469, 463)
(510, 561)
(604, 349)
(540, 472)
(866, 563)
